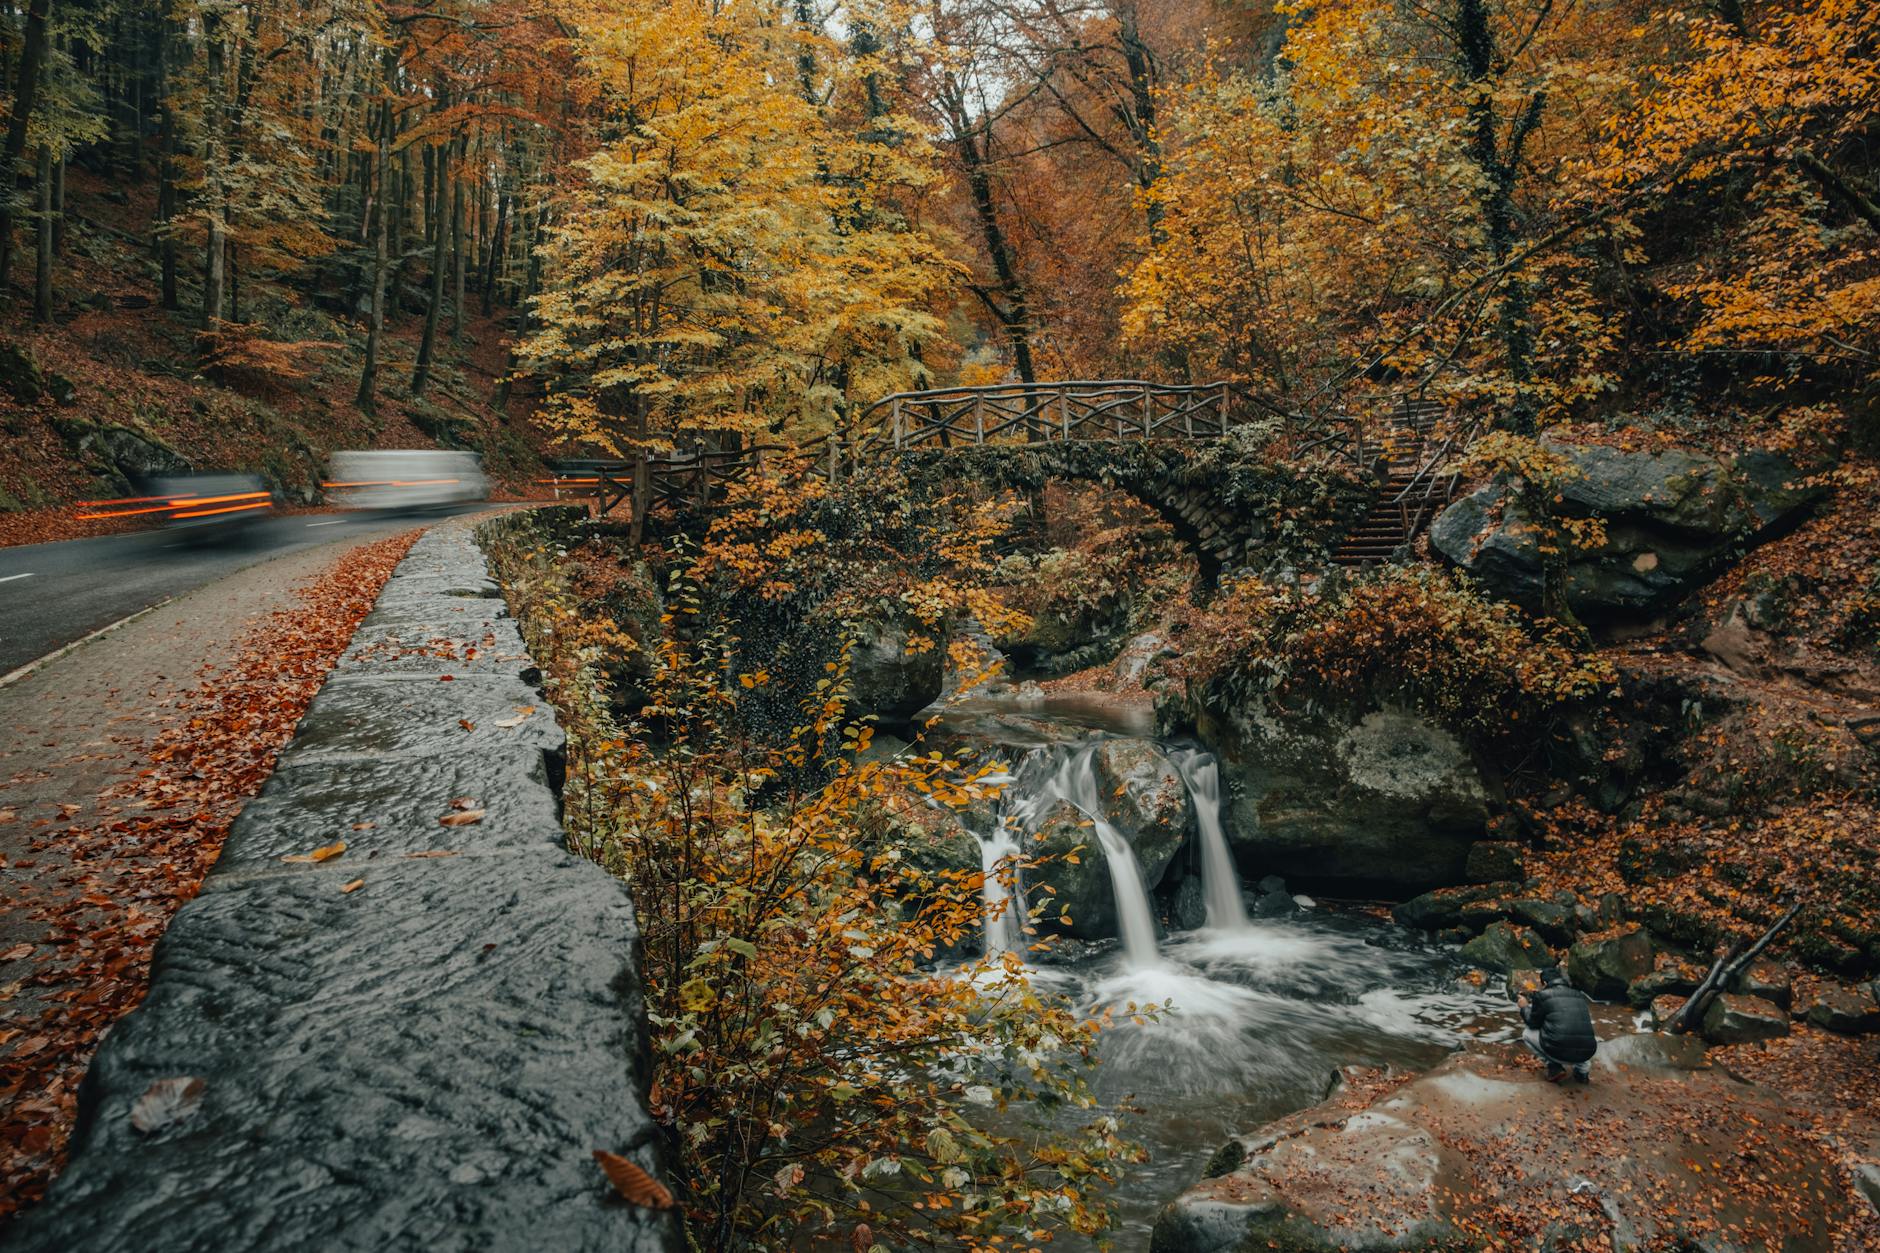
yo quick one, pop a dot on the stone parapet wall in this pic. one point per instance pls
(416, 1044)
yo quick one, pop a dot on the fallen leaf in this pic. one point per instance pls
(522, 716)
(633, 1183)
(446, 678)
(317, 855)
(464, 802)
(354, 886)
(462, 818)
(466, 724)
(9, 815)
(364, 826)
(862, 1238)
(166, 1101)
(17, 953)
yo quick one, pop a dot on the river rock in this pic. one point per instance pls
(1080, 889)
(1673, 519)
(1144, 798)
(929, 837)
(890, 681)
(1445, 909)
(1387, 803)
(1735, 1019)
(1422, 1165)
(1604, 966)
(1849, 1011)
(1556, 921)
(1670, 976)
(1768, 980)
(1496, 861)
(1506, 948)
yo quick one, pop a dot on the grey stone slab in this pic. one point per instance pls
(466, 647)
(357, 715)
(304, 807)
(441, 609)
(423, 1064)
(416, 586)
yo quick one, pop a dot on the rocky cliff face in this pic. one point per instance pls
(1673, 520)
(1385, 801)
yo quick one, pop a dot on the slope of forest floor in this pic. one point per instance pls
(112, 357)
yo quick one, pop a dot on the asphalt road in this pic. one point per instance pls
(53, 594)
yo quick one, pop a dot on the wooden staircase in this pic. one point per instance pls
(1416, 484)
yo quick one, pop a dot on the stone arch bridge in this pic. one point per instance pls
(1200, 456)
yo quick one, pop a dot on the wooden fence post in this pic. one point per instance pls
(1064, 413)
(898, 435)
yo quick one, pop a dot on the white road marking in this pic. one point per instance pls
(9, 578)
(334, 522)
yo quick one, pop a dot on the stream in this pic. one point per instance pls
(1262, 1010)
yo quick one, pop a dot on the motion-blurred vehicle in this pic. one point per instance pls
(206, 504)
(405, 479)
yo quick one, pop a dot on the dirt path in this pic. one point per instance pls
(121, 764)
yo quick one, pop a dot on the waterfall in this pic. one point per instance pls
(1005, 907)
(1049, 775)
(1220, 881)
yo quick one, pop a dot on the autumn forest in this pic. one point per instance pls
(1121, 591)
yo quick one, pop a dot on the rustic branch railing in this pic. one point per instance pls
(1007, 414)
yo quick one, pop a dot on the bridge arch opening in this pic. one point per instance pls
(1093, 568)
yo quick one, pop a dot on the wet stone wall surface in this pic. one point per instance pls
(415, 1044)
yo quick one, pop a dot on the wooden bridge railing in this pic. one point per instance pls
(1111, 409)
(1012, 414)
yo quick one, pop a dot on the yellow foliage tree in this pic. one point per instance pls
(734, 259)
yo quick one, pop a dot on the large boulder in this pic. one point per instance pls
(1849, 1011)
(1387, 803)
(1673, 519)
(1143, 796)
(1605, 965)
(1483, 1150)
(1506, 948)
(1734, 1019)
(896, 670)
(1073, 878)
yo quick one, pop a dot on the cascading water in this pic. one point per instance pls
(1045, 777)
(1220, 882)
(1005, 905)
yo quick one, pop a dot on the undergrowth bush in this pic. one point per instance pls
(817, 1074)
(1410, 636)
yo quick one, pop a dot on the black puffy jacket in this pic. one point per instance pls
(1564, 1018)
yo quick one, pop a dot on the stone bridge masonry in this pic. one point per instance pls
(425, 1061)
(1231, 509)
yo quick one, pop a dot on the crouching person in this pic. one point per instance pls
(1560, 1028)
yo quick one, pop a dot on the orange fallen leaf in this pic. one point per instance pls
(633, 1183)
(466, 724)
(862, 1238)
(522, 716)
(354, 886)
(462, 818)
(16, 953)
(318, 855)
(364, 826)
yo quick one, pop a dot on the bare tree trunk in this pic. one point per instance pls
(440, 165)
(166, 164)
(497, 243)
(32, 63)
(381, 209)
(456, 241)
(58, 206)
(42, 284)
(216, 250)
(1012, 309)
